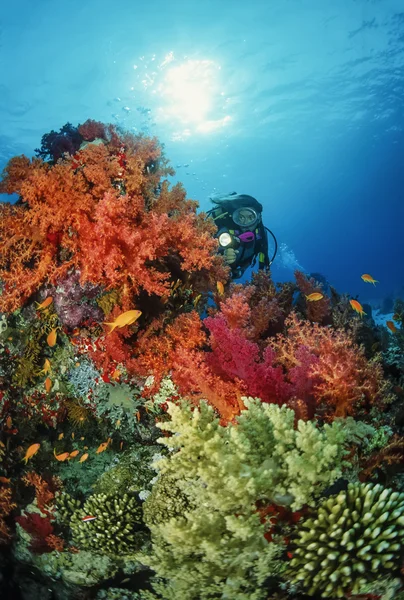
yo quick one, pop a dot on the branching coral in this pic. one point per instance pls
(354, 537)
(6, 506)
(341, 376)
(319, 310)
(212, 542)
(105, 198)
(117, 527)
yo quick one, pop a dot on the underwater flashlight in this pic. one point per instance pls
(226, 240)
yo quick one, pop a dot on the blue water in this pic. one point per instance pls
(296, 102)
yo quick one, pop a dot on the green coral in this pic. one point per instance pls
(117, 528)
(166, 501)
(132, 473)
(354, 538)
(85, 569)
(212, 542)
(66, 506)
(263, 456)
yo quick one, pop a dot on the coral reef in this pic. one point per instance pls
(222, 440)
(213, 479)
(354, 537)
(115, 526)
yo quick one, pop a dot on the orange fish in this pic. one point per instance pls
(74, 453)
(4, 480)
(61, 436)
(391, 326)
(46, 367)
(368, 278)
(115, 374)
(48, 385)
(126, 318)
(314, 297)
(102, 447)
(47, 302)
(33, 449)
(61, 457)
(9, 422)
(52, 337)
(121, 445)
(357, 306)
(84, 457)
(220, 288)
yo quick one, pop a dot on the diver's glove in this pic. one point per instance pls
(230, 256)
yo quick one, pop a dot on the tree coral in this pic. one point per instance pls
(65, 207)
(212, 543)
(6, 506)
(341, 377)
(319, 310)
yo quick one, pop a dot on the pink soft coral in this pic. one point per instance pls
(328, 366)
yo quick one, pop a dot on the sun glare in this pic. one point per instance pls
(192, 96)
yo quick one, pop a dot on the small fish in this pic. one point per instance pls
(121, 445)
(84, 457)
(126, 318)
(47, 302)
(102, 447)
(220, 288)
(52, 337)
(61, 457)
(175, 285)
(72, 435)
(118, 423)
(48, 385)
(82, 438)
(74, 453)
(138, 416)
(196, 300)
(61, 436)
(46, 367)
(116, 374)
(368, 278)
(4, 480)
(9, 422)
(85, 447)
(88, 518)
(33, 449)
(357, 306)
(391, 326)
(314, 297)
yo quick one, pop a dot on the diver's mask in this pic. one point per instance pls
(246, 217)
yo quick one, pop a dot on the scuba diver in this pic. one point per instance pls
(242, 236)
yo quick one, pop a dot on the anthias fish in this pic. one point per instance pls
(126, 318)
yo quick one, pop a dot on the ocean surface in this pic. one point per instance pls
(296, 102)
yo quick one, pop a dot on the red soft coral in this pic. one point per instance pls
(238, 359)
(341, 377)
(317, 311)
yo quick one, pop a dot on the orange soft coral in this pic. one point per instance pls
(342, 378)
(104, 213)
(6, 506)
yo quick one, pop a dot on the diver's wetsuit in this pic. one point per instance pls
(247, 251)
